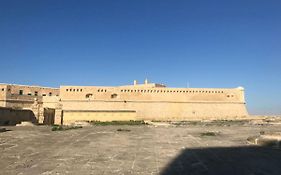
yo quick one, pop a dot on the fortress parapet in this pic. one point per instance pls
(148, 101)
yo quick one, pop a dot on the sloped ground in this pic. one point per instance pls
(144, 149)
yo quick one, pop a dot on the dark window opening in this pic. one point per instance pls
(20, 92)
(50, 94)
(35, 93)
(89, 95)
(114, 95)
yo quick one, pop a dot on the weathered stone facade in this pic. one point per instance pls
(23, 97)
(148, 101)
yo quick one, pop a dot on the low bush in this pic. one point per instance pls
(131, 122)
(209, 133)
(126, 130)
(64, 128)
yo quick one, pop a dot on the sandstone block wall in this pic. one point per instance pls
(158, 103)
(71, 116)
(22, 96)
(150, 101)
(3, 94)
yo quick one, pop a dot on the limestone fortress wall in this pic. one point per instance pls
(148, 101)
(156, 102)
(19, 99)
(23, 96)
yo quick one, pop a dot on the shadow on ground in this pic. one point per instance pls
(249, 160)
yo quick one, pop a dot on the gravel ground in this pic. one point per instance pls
(143, 149)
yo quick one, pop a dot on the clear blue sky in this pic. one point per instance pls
(216, 43)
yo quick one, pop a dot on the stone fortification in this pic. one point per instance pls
(148, 101)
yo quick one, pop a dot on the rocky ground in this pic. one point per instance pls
(188, 148)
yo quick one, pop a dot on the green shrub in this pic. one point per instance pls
(126, 130)
(64, 128)
(131, 122)
(209, 133)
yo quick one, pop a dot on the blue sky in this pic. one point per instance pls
(204, 43)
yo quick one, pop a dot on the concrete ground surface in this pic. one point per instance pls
(142, 149)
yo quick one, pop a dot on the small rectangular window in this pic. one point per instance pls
(36, 93)
(50, 94)
(43, 94)
(29, 94)
(3, 89)
(20, 92)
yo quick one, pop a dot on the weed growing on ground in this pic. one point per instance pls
(131, 122)
(126, 130)
(226, 122)
(3, 130)
(209, 133)
(64, 128)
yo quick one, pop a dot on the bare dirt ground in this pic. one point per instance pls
(143, 149)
